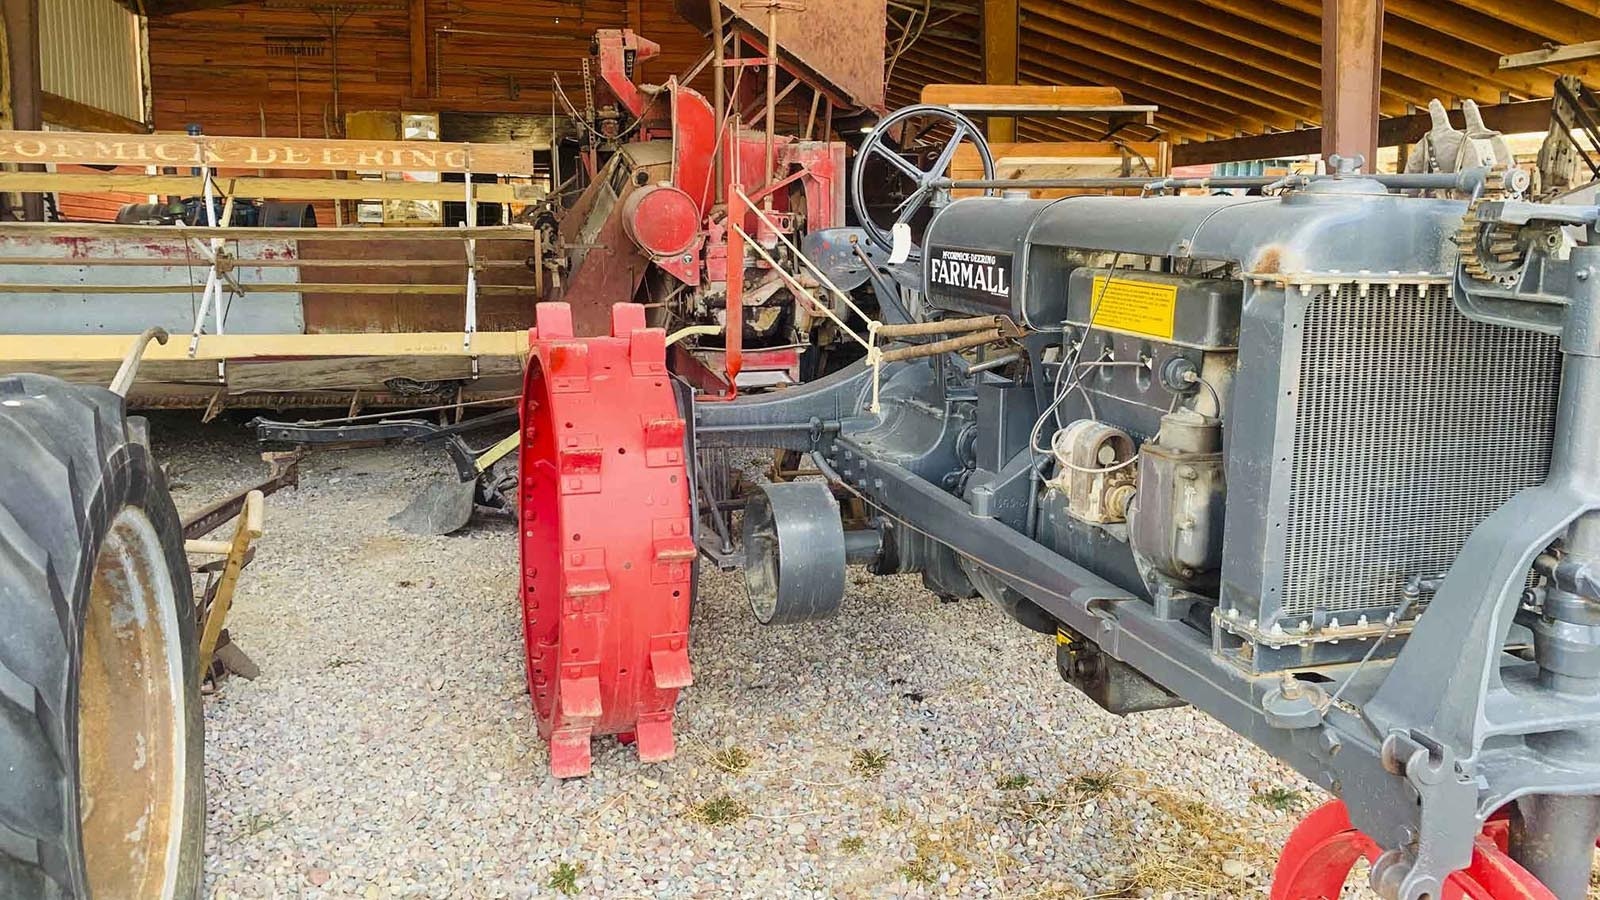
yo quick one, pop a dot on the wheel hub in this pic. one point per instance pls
(131, 738)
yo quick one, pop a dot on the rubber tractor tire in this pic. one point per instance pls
(102, 785)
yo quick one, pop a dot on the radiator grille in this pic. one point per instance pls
(1414, 423)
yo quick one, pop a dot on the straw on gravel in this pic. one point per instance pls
(907, 748)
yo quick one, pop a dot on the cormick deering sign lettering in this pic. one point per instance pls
(974, 273)
(262, 153)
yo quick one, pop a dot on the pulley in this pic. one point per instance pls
(796, 551)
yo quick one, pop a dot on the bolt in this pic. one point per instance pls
(1290, 687)
(1331, 742)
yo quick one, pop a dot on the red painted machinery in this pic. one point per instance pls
(669, 190)
(654, 220)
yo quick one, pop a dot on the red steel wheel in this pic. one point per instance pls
(1324, 847)
(607, 551)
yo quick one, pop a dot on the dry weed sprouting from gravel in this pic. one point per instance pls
(1073, 794)
(1212, 851)
(719, 810)
(731, 760)
(869, 763)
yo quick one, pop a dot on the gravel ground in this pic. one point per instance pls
(907, 748)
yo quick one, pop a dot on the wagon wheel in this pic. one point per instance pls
(607, 542)
(1323, 849)
(923, 132)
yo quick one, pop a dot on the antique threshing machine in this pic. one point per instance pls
(1321, 462)
(648, 216)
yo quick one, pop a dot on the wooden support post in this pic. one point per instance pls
(419, 47)
(1001, 40)
(24, 98)
(1352, 68)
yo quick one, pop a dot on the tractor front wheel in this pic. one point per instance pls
(1317, 860)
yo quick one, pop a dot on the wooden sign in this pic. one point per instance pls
(300, 154)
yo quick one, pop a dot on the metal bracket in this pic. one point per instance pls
(1448, 819)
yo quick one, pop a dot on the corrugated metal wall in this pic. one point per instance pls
(89, 52)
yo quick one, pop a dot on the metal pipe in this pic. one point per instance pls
(831, 427)
(862, 546)
(989, 365)
(719, 93)
(733, 308)
(1553, 838)
(772, 99)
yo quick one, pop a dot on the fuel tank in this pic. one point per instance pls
(1003, 256)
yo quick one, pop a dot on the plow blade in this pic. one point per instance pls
(443, 507)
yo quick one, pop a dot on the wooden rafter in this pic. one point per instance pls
(1550, 21)
(1295, 96)
(1171, 66)
(1459, 58)
(1254, 64)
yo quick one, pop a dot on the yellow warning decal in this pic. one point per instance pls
(1136, 306)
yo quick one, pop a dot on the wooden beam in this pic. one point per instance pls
(22, 348)
(58, 110)
(1352, 67)
(1002, 36)
(1295, 39)
(1548, 20)
(954, 61)
(1548, 56)
(1495, 34)
(1426, 73)
(1511, 118)
(24, 101)
(1255, 65)
(1037, 129)
(1218, 111)
(254, 188)
(1456, 58)
(1043, 129)
(36, 230)
(296, 154)
(1287, 95)
(1010, 95)
(1269, 106)
(417, 31)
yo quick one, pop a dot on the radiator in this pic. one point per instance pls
(1412, 425)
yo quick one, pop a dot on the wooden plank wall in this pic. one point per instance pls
(96, 207)
(213, 67)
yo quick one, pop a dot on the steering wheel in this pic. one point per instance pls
(933, 125)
